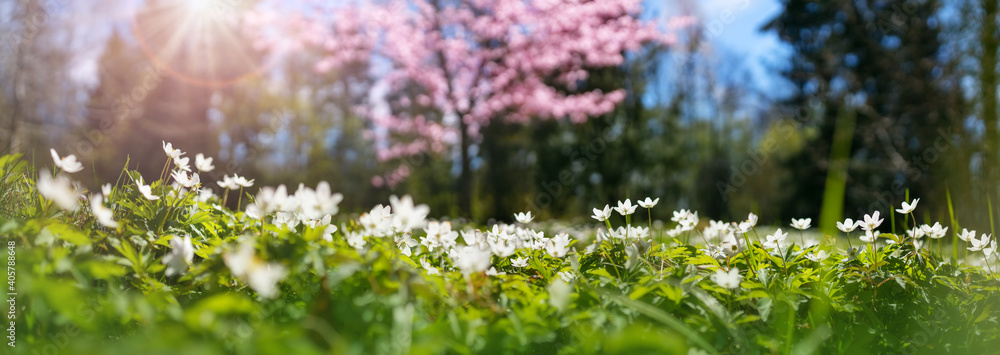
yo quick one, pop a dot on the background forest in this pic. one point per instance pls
(864, 102)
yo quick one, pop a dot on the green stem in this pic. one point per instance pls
(875, 255)
(649, 217)
(240, 201)
(611, 240)
(749, 255)
(784, 263)
(790, 327)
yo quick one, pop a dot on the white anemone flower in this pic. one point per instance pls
(182, 163)
(558, 246)
(647, 203)
(680, 215)
(439, 235)
(991, 250)
(847, 226)
(937, 231)
(287, 219)
(59, 190)
(602, 215)
(519, 262)
(327, 201)
(407, 216)
(776, 240)
(801, 224)
(730, 245)
(729, 280)
(260, 276)
(146, 190)
(205, 194)
(869, 236)
(502, 247)
(431, 270)
(625, 208)
(471, 259)
(324, 225)
(747, 225)
(871, 222)
(475, 237)
(567, 276)
(979, 244)
(68, 163)
(493, 272)
(180, 256)
(967, 234)
(181, 177)
(405, 242)
(271, 199)
(242, 181)
(103, 214)
(641, 233)
(524, 217)
(171, 152)
(203, 163)
(228, 183)
(689, 222)
(908, 207)
(818, 256)
(378, 221)
(356, 240)
(264, 279)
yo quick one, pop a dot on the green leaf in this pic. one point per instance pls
(226, 303)
(68, 233)
(640, 291)
(660, 316)
(125, 248)
(200, 217)
(764, 307)
(673, 293)
(105, 270)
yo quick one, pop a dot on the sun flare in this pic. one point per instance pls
(197, 41)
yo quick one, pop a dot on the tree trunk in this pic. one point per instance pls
(498, 147)
(465, 179)
(988, 82)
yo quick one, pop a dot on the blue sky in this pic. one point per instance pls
(736, 39)
(743, 38)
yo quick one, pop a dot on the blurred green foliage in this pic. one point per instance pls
(84, 288)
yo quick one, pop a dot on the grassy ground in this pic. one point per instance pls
(170, 270)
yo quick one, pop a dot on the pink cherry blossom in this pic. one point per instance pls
(454, 67)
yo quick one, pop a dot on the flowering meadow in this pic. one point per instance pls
(158, 264)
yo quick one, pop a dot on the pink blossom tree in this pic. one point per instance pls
(447, 68)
